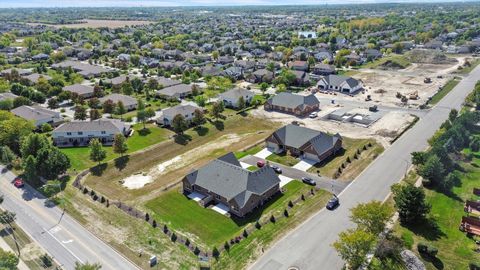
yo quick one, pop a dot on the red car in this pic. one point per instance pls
(260, 163)
(18, 182)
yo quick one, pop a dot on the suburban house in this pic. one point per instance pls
(323, 69)
(86, 70)
(224, 181)
(33, 78)
(7, 95)
(178, 91)
(339, 83)
(117, 80)
(294, 104)
(85, 91)
(129, 102)
(167, 115)
(304, 142)
(79, 133)
(231, 97)
(38, 115)
(260, 75)
(299, 65)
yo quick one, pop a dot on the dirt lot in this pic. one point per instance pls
(383, 85)
(384, 130)
(100, 23)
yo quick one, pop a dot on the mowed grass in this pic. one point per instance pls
(209, 227)
(329, 167)
(455, 249)
(399, 60)
(444, 91)
(284, 159)
(251, 151)
(80, 156)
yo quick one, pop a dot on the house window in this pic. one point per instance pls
(69, 133)
(103, 132)
(80, 133)
(217, 196)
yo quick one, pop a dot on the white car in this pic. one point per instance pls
(313, 115)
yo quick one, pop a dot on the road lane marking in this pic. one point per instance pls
(69, 251)
(68, 241)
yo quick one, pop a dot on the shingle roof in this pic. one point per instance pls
(179, 109)
(296, 137)
(7, 95)
(175, 90)
(126, 100)
(236, 93)
(34, 112)
(289, 100)
(112, 125)
(337, 80)
(225, 177)
(79, 89)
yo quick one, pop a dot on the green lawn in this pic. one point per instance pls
(455, 249)
(444, 91)
(283, 159)
(79, 156)
(250, 151)
(398, 60)
(356, 166)
(208, 226)
(253, 168)
(466, 70)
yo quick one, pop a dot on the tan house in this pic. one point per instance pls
(293, 104)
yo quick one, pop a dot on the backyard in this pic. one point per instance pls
(209, 228)
(80, 156)
(455, 249)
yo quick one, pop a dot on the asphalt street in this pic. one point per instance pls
(61, 236)
(310, 245)
(325, 183)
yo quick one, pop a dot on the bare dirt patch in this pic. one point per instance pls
(88, 23)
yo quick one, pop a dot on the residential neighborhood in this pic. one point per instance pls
(209, 135)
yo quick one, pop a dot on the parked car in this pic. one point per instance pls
(18, 182)
(309, 181)
(313, 115)
(260, 163)
(277, 169)
(333, 203)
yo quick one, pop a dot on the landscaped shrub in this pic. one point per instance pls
(290, 204)
(187, 242)
(474, 266)
(196, 251)
(272, 219)
(257, 225)
(427, 249)
(147, 217)
(348, 160)
(154, 223)
(245, 233)
(285, 213)
(165, 228)
(215, 252)
(173, 237)
(85, 190)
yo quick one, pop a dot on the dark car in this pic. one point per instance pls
(277, 169)
(309, 181)
(333, 203)
(18, 182)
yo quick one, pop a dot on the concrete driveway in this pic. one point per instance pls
(264, 153)
(304, 164)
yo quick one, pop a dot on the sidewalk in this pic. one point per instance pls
(3, 245)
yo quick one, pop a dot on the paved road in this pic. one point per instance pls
(67, 241)
(322, 182)
(309, 246)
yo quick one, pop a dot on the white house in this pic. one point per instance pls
(231, 97)
(38, 115)
(79, 133)
(167, 115)
(339, 83)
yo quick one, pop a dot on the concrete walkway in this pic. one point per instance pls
(264, 153)
(304, 164)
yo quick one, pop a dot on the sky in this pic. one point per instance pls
(172, 3)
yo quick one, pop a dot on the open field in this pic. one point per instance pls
(90, 23)
(391, 61)
(80, 156)
(356, 166)
(455, 249)
(168, 161)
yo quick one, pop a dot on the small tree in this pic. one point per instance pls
(217, 109)
(353, 246)
(87, 266)
(410, 203)
(108, 106)
(30, 168)
(215, 252)
(97, 153)
(149, 113)
(371, 217)
(80, 113)
(241, 103)
(120, 144)
(179, 124)
(95, 114)
(141, 114)
(263, 87)
(120, 109)
(198, 118)
(8, 260)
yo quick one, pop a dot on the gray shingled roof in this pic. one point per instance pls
(236, 93)
(175, 90)
(35, 76)
(79, 89)
(7, 95)
(126, 100)
(225, 177)
(296, 137)
(34, 112)
(289, 100)
(337, 80)
(112, 125)
(179, 109)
